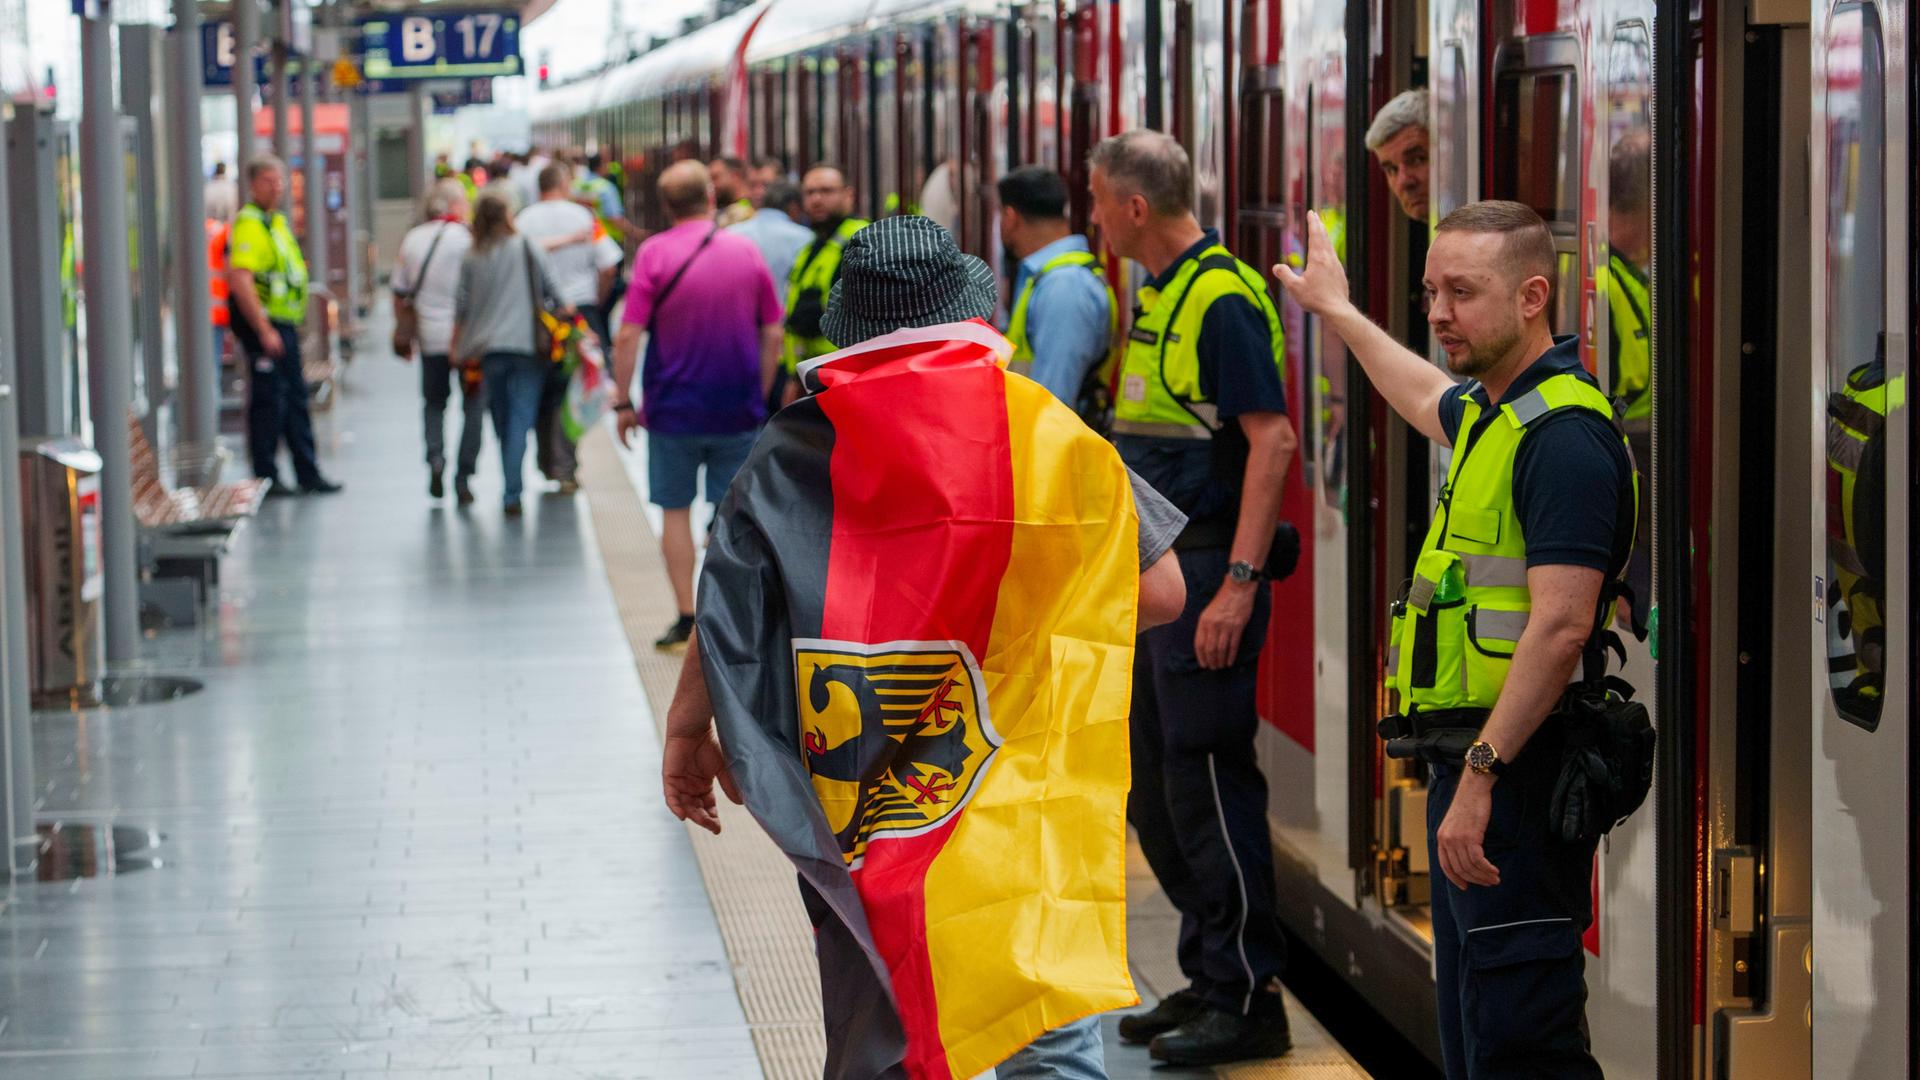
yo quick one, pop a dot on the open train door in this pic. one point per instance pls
(1861, 581)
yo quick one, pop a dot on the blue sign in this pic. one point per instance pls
(216, 56)
(441, 45)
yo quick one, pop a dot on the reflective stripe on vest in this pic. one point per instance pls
(1160, 392)
(1454, 634)
(814, 271)
(1022, 362)
(1628, 302)
(283, 287)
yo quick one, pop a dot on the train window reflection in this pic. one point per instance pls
(1536, 113)
(1857, 386)
(1626, 281)
(1452, 138)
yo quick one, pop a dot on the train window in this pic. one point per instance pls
(1539, 167)
(1858, 391)
(1537, 160)
(1626, 282)
(1453, 141)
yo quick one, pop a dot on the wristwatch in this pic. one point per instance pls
(623, 406)
(1242, 571)
(1484, 759)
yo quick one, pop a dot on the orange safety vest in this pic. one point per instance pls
(217, 269)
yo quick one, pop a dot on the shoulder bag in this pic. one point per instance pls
(406, 317)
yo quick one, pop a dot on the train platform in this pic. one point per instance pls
(411, 824)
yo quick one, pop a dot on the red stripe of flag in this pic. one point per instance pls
(894, 436)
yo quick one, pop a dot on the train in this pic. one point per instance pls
(1729, 186)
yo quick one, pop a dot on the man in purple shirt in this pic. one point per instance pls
(703, 301)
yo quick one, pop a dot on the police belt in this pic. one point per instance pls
(1439, 737)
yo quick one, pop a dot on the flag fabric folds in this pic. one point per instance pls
(916, 620)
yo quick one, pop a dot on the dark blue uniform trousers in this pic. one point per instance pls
(277, 407)
(1199, 801)
(1508, 968)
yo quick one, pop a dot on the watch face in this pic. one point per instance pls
(1479, 757)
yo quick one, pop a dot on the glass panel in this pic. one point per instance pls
(1452, 138)
(1857, 387)
(1627, 282)
(1534, 118)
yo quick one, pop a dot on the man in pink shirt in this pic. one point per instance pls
(703, 301)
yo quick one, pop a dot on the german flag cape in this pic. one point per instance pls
(917, 621)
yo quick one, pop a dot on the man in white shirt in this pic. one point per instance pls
(426, 274)
(583, 261)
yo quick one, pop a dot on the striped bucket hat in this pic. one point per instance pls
(904, 271)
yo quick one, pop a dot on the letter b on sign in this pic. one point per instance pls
(416, 40)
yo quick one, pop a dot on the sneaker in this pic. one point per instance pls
(569, 486)
(1217, 1037)
(463, 490)
(322, 487)
(1173, 1010)
(512, 510)
(436, 487)
(676, 638)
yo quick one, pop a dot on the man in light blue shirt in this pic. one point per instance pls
(773, 230)
(1061, 323)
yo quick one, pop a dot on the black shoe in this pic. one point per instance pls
(1216, 1036)
(512, 510)
(463, 491)
(322, 487)
(676, 638)
(436, 487)
(1173, 1010)
(278, 490)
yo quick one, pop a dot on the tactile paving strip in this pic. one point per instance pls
(767, 935)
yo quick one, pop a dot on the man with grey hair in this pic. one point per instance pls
(425, 277)
(1202, 416)
(1398, 139)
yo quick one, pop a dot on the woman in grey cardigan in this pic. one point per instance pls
(501, 279)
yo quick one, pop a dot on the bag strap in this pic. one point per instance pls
(421, 278)
(660, 300)
(533, 278)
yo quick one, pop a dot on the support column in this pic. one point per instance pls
(16, 735)
(140, 88)
(198, 391)
(314, 241)
(246, 38)
(419, 170)
(277, 74)
(103, 195)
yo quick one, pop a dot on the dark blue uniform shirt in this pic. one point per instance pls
(1237, 373)
(1572, 480)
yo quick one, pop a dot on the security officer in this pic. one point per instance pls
(1202, 417)
(1511, 592)
(267, 290)
(1630, 325)
(1856, 532)
(828, 200)
(1062, 322)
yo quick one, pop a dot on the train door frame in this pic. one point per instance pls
(1863, 763)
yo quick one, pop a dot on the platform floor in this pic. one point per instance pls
(412, 824)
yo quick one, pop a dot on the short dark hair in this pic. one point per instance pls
(1529, 246)
(594, 160)
(1034, 192)
(554, 177)
(781, 195)
(732, 162)
(1630, 171)
(773, 163)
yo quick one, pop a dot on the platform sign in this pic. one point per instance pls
(216, 55)
(468, 92)
(441, 45)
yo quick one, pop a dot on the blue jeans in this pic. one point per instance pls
(513, 382)
(1070, 1052)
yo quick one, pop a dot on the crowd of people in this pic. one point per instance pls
(727, 316)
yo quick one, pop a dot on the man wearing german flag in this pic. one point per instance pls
(915, 630)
